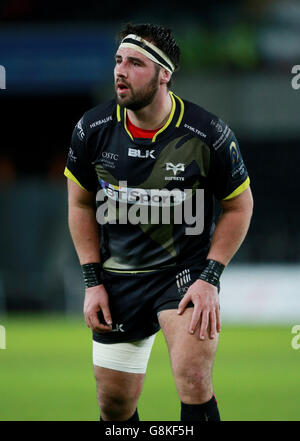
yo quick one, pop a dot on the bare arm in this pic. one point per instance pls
(84, 232)
(232, 227)
(82, 223)
(227, 238)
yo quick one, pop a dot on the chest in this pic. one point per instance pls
(176, 162)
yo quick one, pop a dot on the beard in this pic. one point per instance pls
(141, 98)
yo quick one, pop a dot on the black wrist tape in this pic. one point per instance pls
(212, 272)
(91, 274)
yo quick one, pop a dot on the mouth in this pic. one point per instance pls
(122, 88)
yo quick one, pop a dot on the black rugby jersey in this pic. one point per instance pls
(146, 183)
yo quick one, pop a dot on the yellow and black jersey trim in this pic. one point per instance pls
(70, 175)
(174, 119)
(239, 190)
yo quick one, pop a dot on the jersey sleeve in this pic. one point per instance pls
(228, 174)
(79, 167)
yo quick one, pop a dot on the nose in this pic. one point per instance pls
(120, 70)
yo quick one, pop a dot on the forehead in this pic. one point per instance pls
(126, 52)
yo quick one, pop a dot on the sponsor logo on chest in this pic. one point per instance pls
(175, 168)
(137, 153)
(109, 159)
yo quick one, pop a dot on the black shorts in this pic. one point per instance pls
(136, 299)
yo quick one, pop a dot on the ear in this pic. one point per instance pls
(165, 76)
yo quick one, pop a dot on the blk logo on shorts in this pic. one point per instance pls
(117, 328)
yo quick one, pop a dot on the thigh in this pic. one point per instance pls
(186, 349)
(120, 368)
(122, 386)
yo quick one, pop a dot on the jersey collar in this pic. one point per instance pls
(173, 122)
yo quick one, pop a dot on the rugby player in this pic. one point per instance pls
(144, 276)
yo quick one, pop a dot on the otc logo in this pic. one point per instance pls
(109, 159)
(110, 155)
(137, 153)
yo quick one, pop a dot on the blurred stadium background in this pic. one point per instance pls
(237, 60)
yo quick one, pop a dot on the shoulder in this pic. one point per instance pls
(101, 115)
(94, 119)
(92, 122)
(204, 124)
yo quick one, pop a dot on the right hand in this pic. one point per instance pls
(96, 299)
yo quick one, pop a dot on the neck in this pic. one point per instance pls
(155, 115)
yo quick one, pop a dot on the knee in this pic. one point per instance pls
(112, 406)
(194, 383)
(194, 376)
(117, 403)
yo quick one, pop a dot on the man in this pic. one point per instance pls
(144, 275)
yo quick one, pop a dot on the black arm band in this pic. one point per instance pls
(91, 274)
(212, 272)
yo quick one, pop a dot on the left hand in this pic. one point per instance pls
(206, 308)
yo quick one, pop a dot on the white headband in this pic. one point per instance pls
(149, 50)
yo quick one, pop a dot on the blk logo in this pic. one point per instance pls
(137, 153)
(118, 328)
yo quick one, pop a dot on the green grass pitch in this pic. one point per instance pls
(46, 373)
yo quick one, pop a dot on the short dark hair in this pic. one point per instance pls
(158, 35)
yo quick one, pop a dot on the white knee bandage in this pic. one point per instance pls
(126, 357)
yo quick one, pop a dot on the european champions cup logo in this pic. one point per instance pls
(2, 77)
